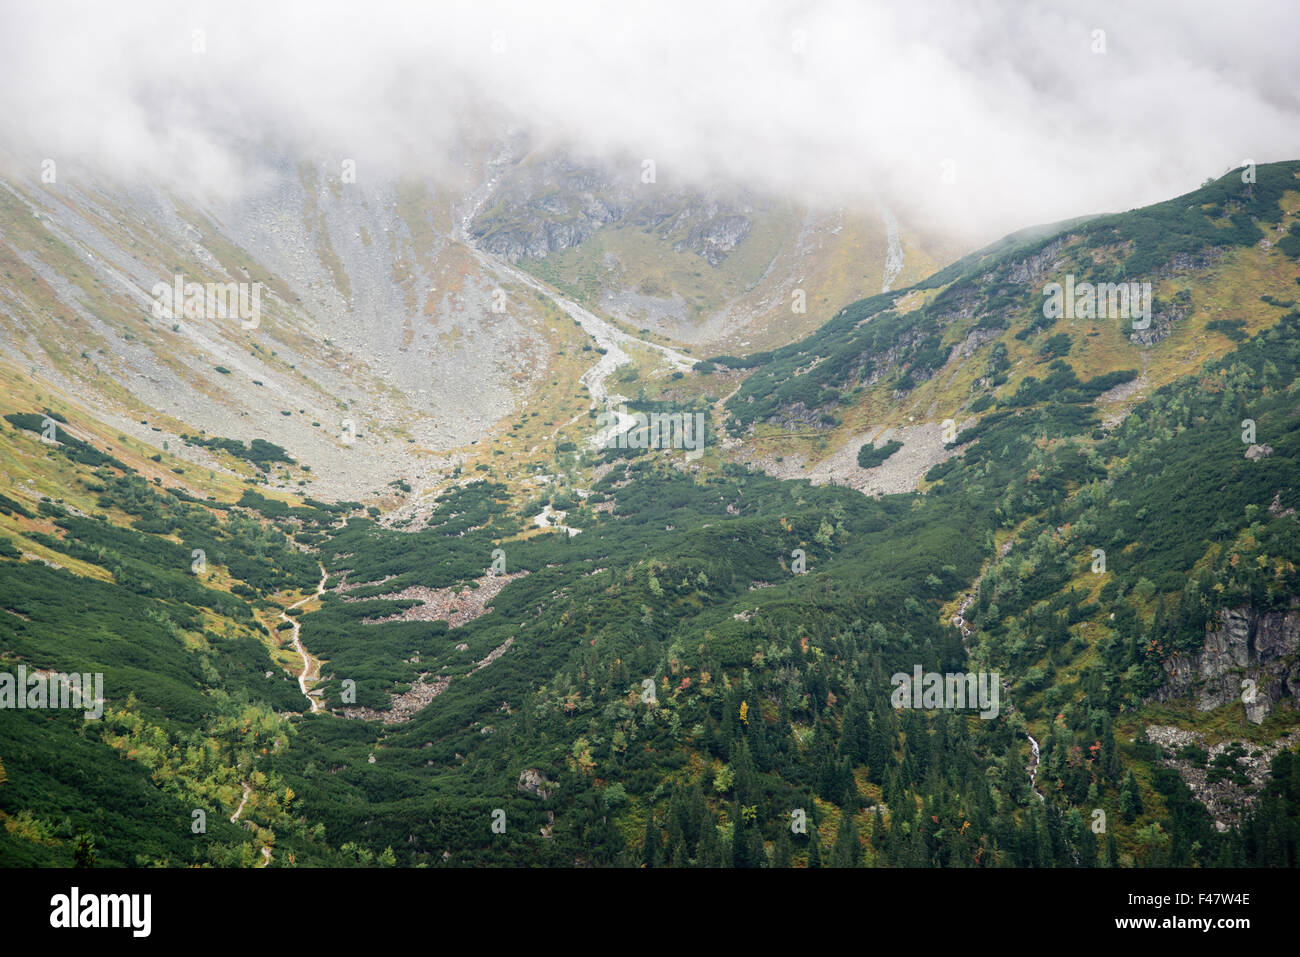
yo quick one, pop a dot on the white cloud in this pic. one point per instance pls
(1038, 126)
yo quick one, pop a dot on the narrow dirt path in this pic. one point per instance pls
(310, 665)
(234, 819)
(248, 789)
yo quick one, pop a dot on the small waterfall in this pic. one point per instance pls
(1033, 768)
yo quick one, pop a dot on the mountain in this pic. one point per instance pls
(416, 343)
(394, 332)
(571, 654)
(724, 267)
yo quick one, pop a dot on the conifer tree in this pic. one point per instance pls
(782, 853)
(1130, 801)
(651, 850)
(814, 849)
(709, 853)
(847, 851)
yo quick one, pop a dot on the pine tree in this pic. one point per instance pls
(855, 736)
(698, 816)
(783, 852)
(879, 750)
(814, 849)
(918, 854)
(1130, 801)
(675, 847)
(744, 853)
(1111, 766)
(845, 784)
(1042, 841)
(1111, 857)
(651, 850)
(83, 853)
(1087, 848)
(746, 780)
(879, 837)
(847, 851)
(709, 853)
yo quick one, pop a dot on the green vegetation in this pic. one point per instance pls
(1232, 328)
(986, 293)
(259, 452)
(715, 650)
(68, 445)
(869, 458)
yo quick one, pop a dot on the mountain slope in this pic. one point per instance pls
(971, 335)
(721, 266)
(704, 674)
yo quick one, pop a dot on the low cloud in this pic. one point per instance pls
(976, 117)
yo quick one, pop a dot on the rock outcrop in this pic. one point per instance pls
(1248, 656)
(532, 781)
(551, 204)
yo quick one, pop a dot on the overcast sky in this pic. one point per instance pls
(833, 100)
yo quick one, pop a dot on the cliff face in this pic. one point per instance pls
(1249, 657)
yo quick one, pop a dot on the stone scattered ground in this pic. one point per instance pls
(493, 655)
(404, 342)
(923, 449)
(403, 707)
(435, 604)
(447, 604)
(1225, 800)
(543, 519)
(1114, 404)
